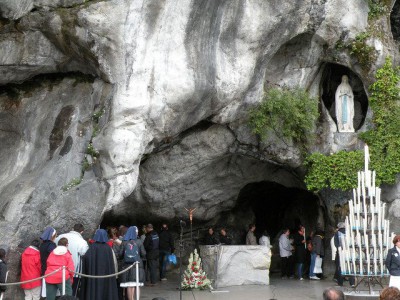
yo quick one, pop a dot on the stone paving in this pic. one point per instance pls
(278, 289)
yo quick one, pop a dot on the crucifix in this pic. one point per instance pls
(190, 211)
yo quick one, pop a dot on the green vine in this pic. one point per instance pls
(364, 53)
(384, 138)
(290, 114)
(339, 171)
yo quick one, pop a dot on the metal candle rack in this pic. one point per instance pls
(368, 237)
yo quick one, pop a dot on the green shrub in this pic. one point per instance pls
(290, 114)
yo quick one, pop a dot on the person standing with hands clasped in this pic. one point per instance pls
(393, 263)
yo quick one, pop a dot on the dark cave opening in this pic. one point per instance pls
(276, 206)
(395, 21)
(330, 80)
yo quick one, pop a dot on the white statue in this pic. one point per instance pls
(344, 102)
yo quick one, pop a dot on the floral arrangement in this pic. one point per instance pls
(194, 277)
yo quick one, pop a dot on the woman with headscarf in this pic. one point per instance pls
(128, 279)
(46, 247)
(99, 260)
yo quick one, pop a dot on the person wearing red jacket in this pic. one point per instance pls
(31, 269)
(58, 258)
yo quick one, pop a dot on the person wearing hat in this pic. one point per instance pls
(338, 238)
(152, 244)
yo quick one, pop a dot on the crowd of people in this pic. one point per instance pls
(118, 248)
(107, 253)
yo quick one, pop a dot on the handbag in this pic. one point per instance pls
(172, 259)
(318, 265)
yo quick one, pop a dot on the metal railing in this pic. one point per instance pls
(64, 269)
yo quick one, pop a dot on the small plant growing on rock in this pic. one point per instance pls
(364, 53)
(92, 151)
(378, 8)
(72, 183)
(194, 276)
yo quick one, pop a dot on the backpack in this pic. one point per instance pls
(131, 252)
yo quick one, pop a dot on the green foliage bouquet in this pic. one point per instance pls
(194, 276)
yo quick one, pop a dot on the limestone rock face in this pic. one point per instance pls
(174, 83)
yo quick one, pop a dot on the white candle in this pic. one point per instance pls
(384, 233)
(367, 256)
(363, 185)
(372, 222)
(371, 205)
(353, 256)
(375, 254)
(365, 223)
(378, 207)
(351, 215)
(373, 178)
(361, 261)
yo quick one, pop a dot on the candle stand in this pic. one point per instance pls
(368, 238)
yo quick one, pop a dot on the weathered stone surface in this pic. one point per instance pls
(172, 69)
(236, 265)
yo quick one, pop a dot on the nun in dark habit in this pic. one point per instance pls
(98, 260)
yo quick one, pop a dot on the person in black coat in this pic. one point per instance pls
(47, 246)
(224, 238)
(166, 248)
(393, 263)
(99, 260)
(152, 246)
(299, 242)
(211, 238)
(3, 270)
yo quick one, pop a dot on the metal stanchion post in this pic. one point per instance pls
(182, 224)
(137, 281)
(63, 281)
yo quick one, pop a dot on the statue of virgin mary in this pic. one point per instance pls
(344, 106)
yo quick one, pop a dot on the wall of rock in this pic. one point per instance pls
(161, 90)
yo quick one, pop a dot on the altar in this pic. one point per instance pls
(229, 265)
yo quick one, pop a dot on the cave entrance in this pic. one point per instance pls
(275, 206)
(395, 21)
(330, 80)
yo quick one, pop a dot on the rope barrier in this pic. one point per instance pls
(31, 280)
(104, 276)
(77, 273)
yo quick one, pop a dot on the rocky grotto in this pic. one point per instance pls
(131, 111)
